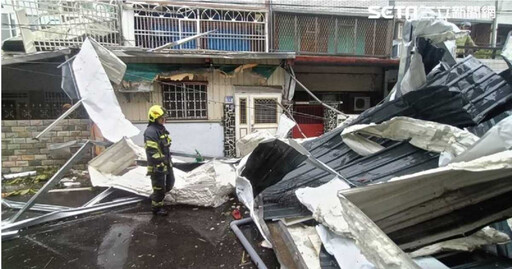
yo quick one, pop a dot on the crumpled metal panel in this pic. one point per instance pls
(399, 159)
(472, 95)
(466, 95)
(271, 153)
(485, 126)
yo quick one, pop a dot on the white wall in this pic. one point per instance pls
(207, 138)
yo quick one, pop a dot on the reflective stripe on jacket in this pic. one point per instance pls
(157, 144)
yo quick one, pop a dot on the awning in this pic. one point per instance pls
(137, 72)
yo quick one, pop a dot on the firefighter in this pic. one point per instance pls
(157, 144)
(465, 41)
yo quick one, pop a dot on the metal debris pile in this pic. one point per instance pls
(424, 172)
(419, 174)
(120, 168)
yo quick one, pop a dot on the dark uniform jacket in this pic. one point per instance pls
(157, 143)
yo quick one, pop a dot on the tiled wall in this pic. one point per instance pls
(21, 153)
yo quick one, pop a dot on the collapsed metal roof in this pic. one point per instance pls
(466, 95)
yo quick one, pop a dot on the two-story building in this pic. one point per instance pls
(232, 77)
(341, 55)
(215, 88)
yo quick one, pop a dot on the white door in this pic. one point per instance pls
(242, 116)
(256, 111)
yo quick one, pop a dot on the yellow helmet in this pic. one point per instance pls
(155, 112)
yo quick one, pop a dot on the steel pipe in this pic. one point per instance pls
(53, 216)
(54, 180)
(248, 247)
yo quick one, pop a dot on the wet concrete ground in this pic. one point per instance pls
(131, 237)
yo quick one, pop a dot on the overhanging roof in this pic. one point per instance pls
(135, 52)
(345, 60)
(23, 58)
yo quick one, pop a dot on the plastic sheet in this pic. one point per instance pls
(436, 30)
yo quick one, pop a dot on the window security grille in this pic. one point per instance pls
(265, 110)
(185, 100)
(243, 111)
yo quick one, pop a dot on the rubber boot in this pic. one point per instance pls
(160, 212)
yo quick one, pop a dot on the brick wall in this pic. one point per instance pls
(21, 153)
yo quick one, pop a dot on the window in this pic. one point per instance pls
(243, 110)
(265, 110)
(8, 26)
(185, 100)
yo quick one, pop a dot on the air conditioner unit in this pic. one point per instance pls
(362, 103)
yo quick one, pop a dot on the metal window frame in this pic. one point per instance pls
(168, 101)
(276, 100)
(243, 110)
(307, 29)
(11, 24)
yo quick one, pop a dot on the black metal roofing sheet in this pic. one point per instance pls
(466, 95)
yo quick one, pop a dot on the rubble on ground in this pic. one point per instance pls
(421, 173)
(429, 164)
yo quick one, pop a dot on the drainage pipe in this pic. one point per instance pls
(248, 247)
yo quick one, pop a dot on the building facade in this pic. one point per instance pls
(219, 86)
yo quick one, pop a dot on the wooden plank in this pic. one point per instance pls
(284, 247)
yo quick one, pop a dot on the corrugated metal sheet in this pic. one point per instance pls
(466, 95)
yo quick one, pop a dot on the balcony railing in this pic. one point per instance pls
(480, 52)
(343, 35)
(64, 23)
(236, 30)
(39, 111)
